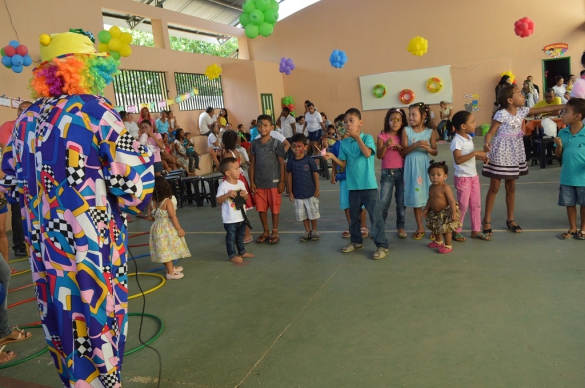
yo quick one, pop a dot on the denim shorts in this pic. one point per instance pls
(571, 195)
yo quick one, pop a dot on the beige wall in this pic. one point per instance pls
(475, 37)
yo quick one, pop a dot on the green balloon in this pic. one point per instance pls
(275, 6)
(104, 36)
(244, 19)
(2, 52)
(115, 54)
(271, 16)
(249, 6)
(263, 5)
(256, 17)
(252, 31)
(266, 29)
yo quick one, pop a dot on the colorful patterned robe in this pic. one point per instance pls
(74, 168)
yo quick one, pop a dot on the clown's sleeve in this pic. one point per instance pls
(127, 166)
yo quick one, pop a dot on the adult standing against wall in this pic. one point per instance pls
(313, 124)
(206, 121)
(535, 86)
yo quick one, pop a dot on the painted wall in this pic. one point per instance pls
(476, 38)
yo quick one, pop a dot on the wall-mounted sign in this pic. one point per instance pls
(556, 50)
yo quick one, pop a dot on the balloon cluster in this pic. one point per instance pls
(418, 46)
(288, 102)
(213, 71)
(509, 74)
(15, 56)
(116, 42)
(338, 58)
(286, 66)
(524, 27)
(259, 17)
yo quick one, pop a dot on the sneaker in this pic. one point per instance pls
(380, 253)
(175, 275)
(352, 247)
(305, 237)
(315, 235)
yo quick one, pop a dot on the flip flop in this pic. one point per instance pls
(482, 236)
(402, 235)
(9, 355)
(249, 240)
(459, 237)
(21, 335)
(417, 235)
(262, 238)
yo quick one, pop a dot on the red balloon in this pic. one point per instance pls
(291, 107)
(524, 27)
(9, 50)
(22, 50)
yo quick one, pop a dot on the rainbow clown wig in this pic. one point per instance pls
(71, 65)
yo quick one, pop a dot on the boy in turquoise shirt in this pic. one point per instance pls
(357, 155)
(570, 145)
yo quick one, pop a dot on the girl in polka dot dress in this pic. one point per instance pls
(505, 150)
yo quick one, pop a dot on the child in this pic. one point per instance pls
(267, 177)
(338, 175)
(357, 155)
(505, 151)
(233, 219)
(418, 141)
(167, 238)
(466, 178)
(303, 182)
(191, 153)
(570, 145)
(445, 114)
(301, 126)
(392, 177)
(330, 139)
(441, 211)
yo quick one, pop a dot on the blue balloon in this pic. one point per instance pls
(7, 61)
(17, 69)
(17, 60)
(338, 59)
(27, 60)
(14, 43)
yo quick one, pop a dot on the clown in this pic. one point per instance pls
(74, 169)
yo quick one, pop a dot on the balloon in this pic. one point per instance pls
(418, 46)
(14, 43)
(263, 5)
(271, 16)
(256, 17)
(17, 60)
(286, 65)
(17, 69)
(266, 29)
(115, 31)
(125, 50)
(509, 74)
(213, 71)
(275, 6)
(103, 48)
(244, 19)
(44, 39)
(27, 60)
(338, 59)
(524, 27)
(115, 54)
(7, 61)
(114, 44)
(249, 6)
(549, 126)
(252, 31)
(9, 50)
(22, 50)
(2, 51)
(126, 38)
(104, 36)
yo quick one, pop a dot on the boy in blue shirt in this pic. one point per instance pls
(570, 145)
(357, 154)
(303, 185)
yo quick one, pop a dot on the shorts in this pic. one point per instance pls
(268, 199)
(571, 195)
(5, 208)
(314, 136)
(307, 208)
(442, 221)
(158, 167)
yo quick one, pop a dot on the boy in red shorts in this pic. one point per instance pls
(267, 177)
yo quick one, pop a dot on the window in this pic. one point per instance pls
(210, 91)
(134, 87)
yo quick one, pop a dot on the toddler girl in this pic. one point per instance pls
(418, 141)
(505, 150)
(388, 148)
(167, 238)
(441, 212)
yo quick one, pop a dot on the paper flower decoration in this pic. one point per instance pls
(286, 66)
(524, 27)
(338, 59)
(15, 56)
(115, 42)
(213, 71)
(259, 17)
(418, 46)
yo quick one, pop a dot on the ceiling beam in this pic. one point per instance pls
(226, 4)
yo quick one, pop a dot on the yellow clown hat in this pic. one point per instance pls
(72, 42)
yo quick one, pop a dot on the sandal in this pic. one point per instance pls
(262, 238)
(515, 228)
(274, 239)
(435, 244)
(345, 233)
(446, 249)
(487, 232)
(6, 356)
(417, 235)
(580, 235)
(433, 237)
(365, 231)
(482, 236)
(248, 240)
(459, 237)
(569, 235)
(402, 234)
(16, 336)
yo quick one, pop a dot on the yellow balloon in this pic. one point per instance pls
(418, 46)
(115, 32)
(126, 38)
(509, 74)
(213, 71)
(125, 50)
(114, 44)
(44, 39)
(103, 48)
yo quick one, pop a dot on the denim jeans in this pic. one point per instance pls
(4, 279)
(390, 180)
(370, 199)
(235, 236)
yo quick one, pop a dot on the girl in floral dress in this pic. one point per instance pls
(418, 141)
(167, 238)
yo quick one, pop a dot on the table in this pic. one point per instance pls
(531, 124)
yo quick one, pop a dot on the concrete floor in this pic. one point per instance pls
(506, 313)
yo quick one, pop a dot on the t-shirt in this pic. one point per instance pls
(162, 127)
(560, 91)
(360, 172)
(313, 121)
(392, 158)
(212, 138)
(253, 132)
(285, 125)
(204, 121)
(573, 169)
(152, 146)
(274, 134)
(267, 167)
(6, 131)
(303, 183)
(229, 213)
(132, 128)
(543, 103)
(468, 168)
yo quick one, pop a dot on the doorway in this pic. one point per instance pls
(554, 67)
(267, 105)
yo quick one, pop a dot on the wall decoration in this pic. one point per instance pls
(524, 27)
(213, 71)
(434, 84)
(473, 104)
(259, 17)
(338, 59)
(418, 46)
(115, 42)
(288, 102)
(379, 91)
(286, 66)
(406, 96)
(556, 50)
(15, 56)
